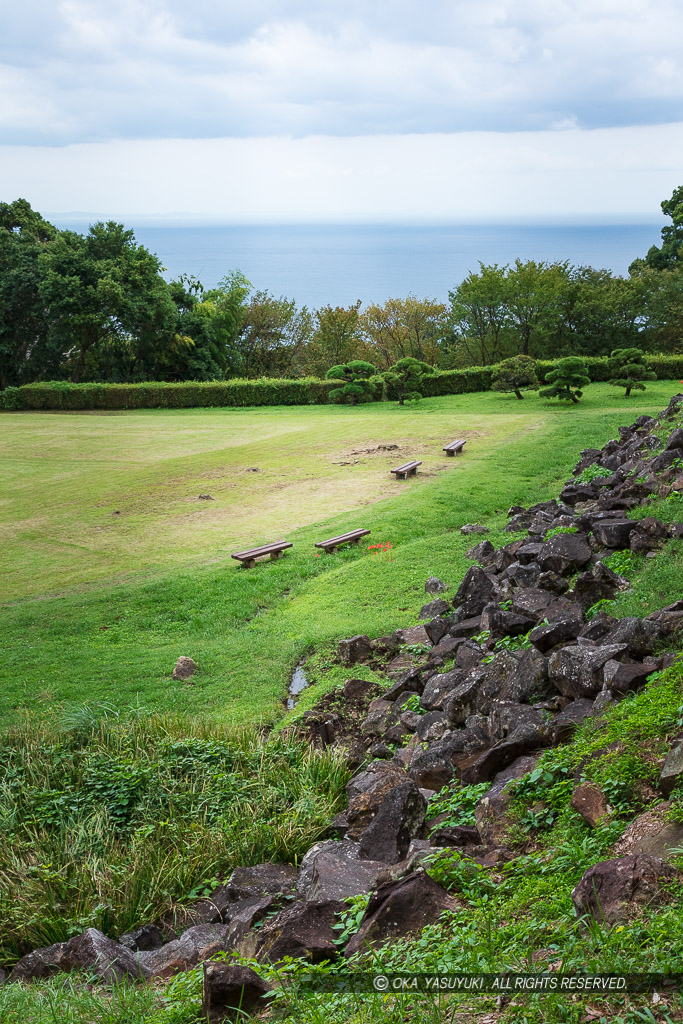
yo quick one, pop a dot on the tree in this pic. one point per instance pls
(406, 377)
(272, 337)
(534, 310)
(357, 388)
(336, 338)
(567, 380)
(479, 314)
(404, 327)
(516, 375)
(628, 369)
(669, 255)
(600, 312)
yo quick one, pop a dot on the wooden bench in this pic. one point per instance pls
(406, 470)
(455, 447)
(275, 550)
(331, 545)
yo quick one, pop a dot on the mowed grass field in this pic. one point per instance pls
(112, 566)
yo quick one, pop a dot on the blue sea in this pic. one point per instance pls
(337, 264)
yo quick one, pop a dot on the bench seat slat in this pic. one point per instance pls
(406, 466)
(455, 445)
(266, 549)
(342, 539)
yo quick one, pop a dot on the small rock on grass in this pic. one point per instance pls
(231, 991)
(473, 528)
(184, 668)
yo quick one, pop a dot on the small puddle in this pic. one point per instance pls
(299, 682)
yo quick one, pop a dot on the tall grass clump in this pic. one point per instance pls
(108, 821)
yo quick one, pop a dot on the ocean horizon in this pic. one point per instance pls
(321, 264)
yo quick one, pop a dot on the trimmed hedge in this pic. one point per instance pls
(62, 395)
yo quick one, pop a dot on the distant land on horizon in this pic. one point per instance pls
(336, 264)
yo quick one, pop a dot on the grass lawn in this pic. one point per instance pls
(98, 606)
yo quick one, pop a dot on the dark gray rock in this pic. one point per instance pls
(465, 628)
(616, 890)
(565, 553)
(523, 575)
(621, 677)
(196, 944)
(231, 992)
(432, 769)
(432, 726)
(639, 635)
(675, 440)
(304, 930)
(598, 627)
(576, 671)
(565, 724)
(379, 777)
(500, 622)
(476, 590)
(439, 687)
(437, 629)
(355, 649)
(531, 601)
(353, 689)
(184, 669)
(454, 835)
(446, 647)
(434, 585)
(528, 552)
(400, 818)
(400, 908)
(673, 408)
(544, 638)
(481, 551)
(490, 812)
(506, 716)
(148, 936)
(524, 740)
(613, 533)
(672, 770)
(469, 656)
(91, 951)
(334, 871)
(599, 583)
(527, 678)
(469, 528)
(434, 608)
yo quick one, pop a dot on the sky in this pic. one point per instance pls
(276, 110)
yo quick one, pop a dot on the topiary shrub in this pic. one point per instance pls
(515, 375)
(628, 369)
(567, 380)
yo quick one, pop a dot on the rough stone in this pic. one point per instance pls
(434, 608)
(598, 583)
(476, 590)
(231, 992)
(527, 679)
(613, 533)
(196, 944)
(148, 936)
(570, 718)
(505, 717)
(432, 769)
(651, 833)
(598, 627)
(378, 778)
(439, 687)
(334, 871)
(523, 740)
(531, 601)
(590, 802)
(305, 930)
(672, 769)
(400, 817)
(437, 629)
(545, 637)
(91, 951)
(355, 649)
(490, 811)
(184, 668)
(620, 677)
(639, 635)
(500, 622)
(400, 908)
(432, 726)
(576, 670)
(616, 890)
(355, 688)
(473, 528)
(434, 585)
(480, 551)
(565, 553)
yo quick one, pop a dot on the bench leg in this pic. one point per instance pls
(450, 452)
(274, 555)
(331, 551)
(413, 472)
(459, 451)
(249, 563)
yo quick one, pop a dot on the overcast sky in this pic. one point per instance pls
(338, 109)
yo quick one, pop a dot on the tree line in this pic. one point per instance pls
(96, 307)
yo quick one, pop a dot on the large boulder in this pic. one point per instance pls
(334, 871)
(672, 769)
(527, 679)
(355, 649)
(476, 590)
(90, 951)
(616, 890)
(652, 833)
(501, 622)
(639, 636)
(439, 687)
(524, 740)
(196, 944)
(146, 937)
(400, 818)
(490, 811)
(599, 583)
(576, 670)
(231, 992)
(565, 554)
(401, 908)
(613, 533)
(549, 635)
(305, 930)
(434, 608)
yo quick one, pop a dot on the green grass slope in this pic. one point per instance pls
(105, 640)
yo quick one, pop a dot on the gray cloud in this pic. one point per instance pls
(89, 70)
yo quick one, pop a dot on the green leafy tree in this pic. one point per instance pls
(336, 338)
(404, 327)
(567, 380)
(272, 337)
(669, 255)
(515, 375)
(479, 316)
(534, 306)
(406, 377)
(357, 386)
(628, 369)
